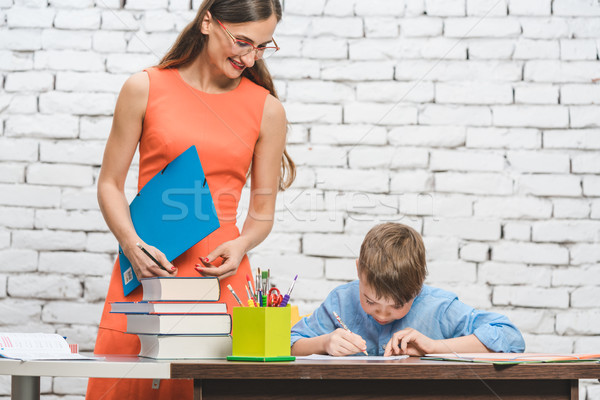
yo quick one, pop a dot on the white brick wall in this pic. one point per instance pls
(474, 121)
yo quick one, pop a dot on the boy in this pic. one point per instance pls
(390, 312)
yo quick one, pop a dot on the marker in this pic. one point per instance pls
(151, 257)
(235, 295)
(286, 298)
(345, 327)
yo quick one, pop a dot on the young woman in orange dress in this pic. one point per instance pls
(211, 90)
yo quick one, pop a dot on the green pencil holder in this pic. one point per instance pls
(261, 332)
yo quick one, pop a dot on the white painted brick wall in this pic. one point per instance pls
(474, 121)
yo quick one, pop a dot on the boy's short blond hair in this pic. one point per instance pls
(392, 261)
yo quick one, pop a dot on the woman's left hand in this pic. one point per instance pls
(231, 252)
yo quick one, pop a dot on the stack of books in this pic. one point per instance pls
(179, 318)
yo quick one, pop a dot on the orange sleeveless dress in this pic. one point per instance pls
(224, 128)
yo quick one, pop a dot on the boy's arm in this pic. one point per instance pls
(308, 346)
(463, 344)
(337, 343)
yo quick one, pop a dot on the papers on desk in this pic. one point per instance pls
(512, 358)
(37, 346)
(361, 358)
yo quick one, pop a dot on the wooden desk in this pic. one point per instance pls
(411, 378)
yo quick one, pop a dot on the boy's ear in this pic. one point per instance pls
(357, 266)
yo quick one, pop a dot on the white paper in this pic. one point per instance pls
(362, 358)
(36, 346)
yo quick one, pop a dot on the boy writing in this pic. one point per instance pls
(390, 312)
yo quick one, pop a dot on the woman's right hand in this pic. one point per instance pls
(143, 265)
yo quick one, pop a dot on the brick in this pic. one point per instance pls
(531, 116)
(146, 4)
(591, 185)
(441, 248)
(379, 7)
(472, 294)
(119, 20)
(566, 231)
(584, 117)
(463, 228)
(441, 47)
(311, 7)
(580, 94)
(70, 220)
(495, 273)
(21, 39)
(471, 27)
(387, 157)
(421, 26)
(158, 21)
(503, 138)
(358, 70)
(381, 27)
(471, 70)
(340, 269)
(101, 242)
(312, 289)
(29, 196)
(44, 286)
(68, 60)
(447, 136)
(89, 82)
(15, 217)
(23, 104)
(19, 312)
(48, 240)
(452, 160)
(513, 207)
(350, 179)
(75, 152)
(279, 242)
(530, 8)
(109, 42)
(571, 208)
(294, 68)
(340, 8)
(379, 114)
(12, 173)
(559, 71)
(445, 8)
(77, 263)
(77, 19)
(95, 289)
(342, 27)
(530, 253)
(549, 185)
(71, 3)
(575, 8)
(492, 49)
(435, 205)
(4, 239)
(73, 386)
(18, 260)
(578, 322)
(517, 231)
(348, 134)
(533, 161)
(72, 313)
(485, 8)
(325, 48)
(595, 214)
(572, 139)
(585, 297)
(288, 266)
(47, 126)
(95, 127)
(12, 61)
(434, 114)
(59, 174)
(296, 199)
(578, 49)
(297, 134)
(129, 63)
(154, 43)
(541, 343)
(474, 93)
(583, 27)
(474, 183)
(586, 344)
(537, 94)
(77, 103)
(331, 245)
(29, 81)
(418, 92)
(358, 203)
(585, 163)
(25, 17)
(295, 26)
(583, 253)
(544, 28)
(531, 320)
(411, 181)
(308, 221)
(357, 225)
(319, 92)
(448, 272)
(530, 297)
(305, 179)
(313, 113)
(474, 252)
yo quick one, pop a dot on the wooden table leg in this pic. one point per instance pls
(197, 389)
(574, 389)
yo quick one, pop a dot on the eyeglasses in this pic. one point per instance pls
(242, 47)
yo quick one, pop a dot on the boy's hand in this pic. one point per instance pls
(343, 343)
(410, 342)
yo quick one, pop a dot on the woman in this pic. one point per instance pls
(211, 90)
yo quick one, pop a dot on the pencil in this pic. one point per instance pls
(345, 327)
(151, 257)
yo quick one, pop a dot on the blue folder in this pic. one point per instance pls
(172, 212)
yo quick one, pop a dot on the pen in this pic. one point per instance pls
(345, 327)
(235, 295)
(151, 257)
(286, 298)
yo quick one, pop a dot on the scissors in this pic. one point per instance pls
(274, 297)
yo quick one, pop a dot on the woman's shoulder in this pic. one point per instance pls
(137, 84)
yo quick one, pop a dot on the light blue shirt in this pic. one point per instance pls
(436, 313)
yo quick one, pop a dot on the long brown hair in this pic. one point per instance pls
(191, 42)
